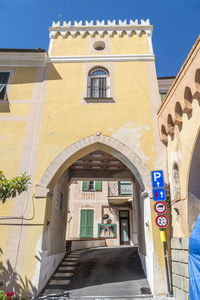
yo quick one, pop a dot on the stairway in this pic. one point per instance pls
(58, 283)
(82, 275)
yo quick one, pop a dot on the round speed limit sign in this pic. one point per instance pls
(162, 221)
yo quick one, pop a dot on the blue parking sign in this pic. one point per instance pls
(159, 195)
(157, 178)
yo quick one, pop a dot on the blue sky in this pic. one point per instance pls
(24, 23)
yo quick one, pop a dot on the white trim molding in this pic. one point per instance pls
(101, 27)
(101, 58)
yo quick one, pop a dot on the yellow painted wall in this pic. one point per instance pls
(66, 119)
(129, 45)
(12, 134)
(118, 45)
(22, 84)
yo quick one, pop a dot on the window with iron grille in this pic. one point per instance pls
(4, 76)
(98, 83)
(125, 188)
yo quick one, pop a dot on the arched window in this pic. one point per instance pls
(98, 83)
(176, 181)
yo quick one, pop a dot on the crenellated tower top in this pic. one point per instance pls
(100, 27)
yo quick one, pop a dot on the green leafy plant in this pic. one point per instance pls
(7, 296)
(3, 295)
(13, 187)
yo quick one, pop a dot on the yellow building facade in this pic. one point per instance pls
(95, 90)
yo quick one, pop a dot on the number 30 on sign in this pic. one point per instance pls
(162, 221)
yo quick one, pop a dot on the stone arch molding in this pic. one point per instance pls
(174, 115)
(88, 145)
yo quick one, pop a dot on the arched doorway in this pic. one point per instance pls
(54, 185)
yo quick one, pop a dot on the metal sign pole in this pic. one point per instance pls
(163, 239)
(162, 221)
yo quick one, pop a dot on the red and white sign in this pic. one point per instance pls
(160, 207)
(162, 221)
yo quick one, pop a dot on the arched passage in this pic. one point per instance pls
(92, 143)
(55, 181)
(193, 186)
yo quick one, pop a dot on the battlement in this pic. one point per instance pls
(100, 27)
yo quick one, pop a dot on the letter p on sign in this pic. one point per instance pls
(157, 179)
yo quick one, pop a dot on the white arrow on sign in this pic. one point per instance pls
(161, 194)
(158, 183)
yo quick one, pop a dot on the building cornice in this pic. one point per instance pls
(101, 58)
(195, 49)
(101, 27)
(179, 98)
(23, 59)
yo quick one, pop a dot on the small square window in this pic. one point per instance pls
(91, 186)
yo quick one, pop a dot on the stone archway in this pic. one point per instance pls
(92, 143)
(58, 171)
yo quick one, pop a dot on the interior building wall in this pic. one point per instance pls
(98, 202)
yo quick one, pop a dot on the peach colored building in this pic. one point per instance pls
(179, 124)
(109, 204)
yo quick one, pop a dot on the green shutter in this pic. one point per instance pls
(90, 216)
(83, 227)
(85, 186)
(98, 185)
(162, 96)
(86, 224)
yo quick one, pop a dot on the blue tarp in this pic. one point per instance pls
(194, 262)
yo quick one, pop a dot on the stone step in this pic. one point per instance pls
(62, 275)
(65, 268)
(63, 272)
(57, 282)
(70, 259)
(68, 263)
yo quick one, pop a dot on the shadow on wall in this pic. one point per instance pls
(53, 75)
(26, 78)
(14, 282)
